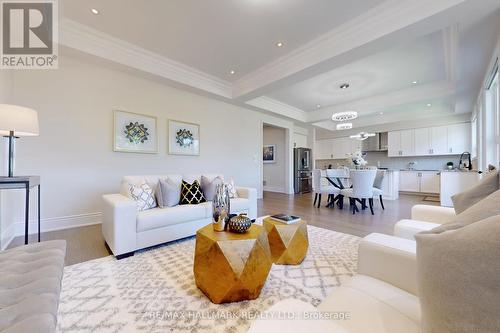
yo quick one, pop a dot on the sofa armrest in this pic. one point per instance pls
(250, 194)
(433, 214)
(390, 259)
(119, 223)
(294, 316)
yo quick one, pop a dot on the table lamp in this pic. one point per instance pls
(17, 121)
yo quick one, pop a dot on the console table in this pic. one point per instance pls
(26, 183)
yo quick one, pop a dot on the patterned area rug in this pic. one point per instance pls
(154, 291)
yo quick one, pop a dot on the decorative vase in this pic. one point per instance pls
(239, 224)
(220, 207)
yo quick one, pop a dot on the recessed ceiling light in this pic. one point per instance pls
(94, 11)
(318, 106)
(429, 105)
(414, 82)
(344, 116)
(344, 126)
(381, 113)
(344, 86)
(232, 72)
(280, 44)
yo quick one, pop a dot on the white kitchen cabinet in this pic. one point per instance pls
(459, 138)
(401, 143)
(439, 140)
(323, 149)
(337, 148)
(300, 140)
(394, 144)
(423, 144)
(409, 181)
(419, 181)
(453, 182)
(429, 182)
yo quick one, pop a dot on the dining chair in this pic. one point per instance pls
(320, 189)
(362, 189)
(337, 177)
(377, 186)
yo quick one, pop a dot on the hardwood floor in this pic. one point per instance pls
(86, 243)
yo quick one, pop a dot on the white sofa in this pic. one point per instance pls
(381, 298)
(126, 229)
(423, 218)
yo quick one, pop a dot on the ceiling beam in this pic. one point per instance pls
(381, 27)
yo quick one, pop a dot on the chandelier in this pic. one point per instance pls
(345, 116)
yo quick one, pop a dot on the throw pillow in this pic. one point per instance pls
(485, 208)
(466, 199)
(232, 189)
(458, 279)
(168, 193)
(191, 194)
(208, 186)
(143, 195)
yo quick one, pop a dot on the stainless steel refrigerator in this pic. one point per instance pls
(302, 170)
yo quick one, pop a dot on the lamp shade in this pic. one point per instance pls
(20, 120)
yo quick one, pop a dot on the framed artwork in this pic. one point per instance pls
(135, 133)
(269, 154)
(183, 138)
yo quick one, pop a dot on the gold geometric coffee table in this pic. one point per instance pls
(288, 242)
(231, 267)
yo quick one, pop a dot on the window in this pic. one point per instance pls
(492, 126)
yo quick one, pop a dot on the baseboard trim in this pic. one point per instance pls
(273, 189)
(49, 224)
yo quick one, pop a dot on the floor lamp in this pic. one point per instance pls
(17, 121)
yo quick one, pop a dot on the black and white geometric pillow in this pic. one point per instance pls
(191, 194)
(143, 195)
(232, 189)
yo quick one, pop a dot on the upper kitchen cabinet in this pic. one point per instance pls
(324, 149)
(459, 138)
(401, 143)
(440, 140)
(300, 140)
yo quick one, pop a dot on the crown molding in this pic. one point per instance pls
(278, 107)
(378, 103)
(94, 42)
(382, 20)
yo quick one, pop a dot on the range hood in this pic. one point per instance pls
(375, 143)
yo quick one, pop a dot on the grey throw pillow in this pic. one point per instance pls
(466, 199)
(485, 208)
(208, 186)
(459, 279)
(168, 193)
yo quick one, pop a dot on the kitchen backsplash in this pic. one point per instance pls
(381, 158)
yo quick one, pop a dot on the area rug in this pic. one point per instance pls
(154, 291)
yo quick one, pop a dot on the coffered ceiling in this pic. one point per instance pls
(402, 59)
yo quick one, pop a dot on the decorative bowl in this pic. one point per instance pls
(239, 224)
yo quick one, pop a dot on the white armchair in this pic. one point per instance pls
(423, 218)
(381, 298)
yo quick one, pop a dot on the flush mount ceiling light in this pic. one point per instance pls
(344, 126)
(94, 11)
(345, 116)
(344, 86)
(279, 44)
(362, 136)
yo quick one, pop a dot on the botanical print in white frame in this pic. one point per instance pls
(183, 138)
(269, 154)
(134, 133)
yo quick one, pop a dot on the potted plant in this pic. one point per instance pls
(449, 165)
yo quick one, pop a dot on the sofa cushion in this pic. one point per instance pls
(374, 306)
(409, 228)
(466, 199)
(168, 193)
(485, 208)
(162, 217)
(208, 186)
(191, 194)
(458, 278)
(152, 181)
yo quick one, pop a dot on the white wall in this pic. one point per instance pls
(274, 174)
(74, 153)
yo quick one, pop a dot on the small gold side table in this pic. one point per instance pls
(288, 242)
(231, 267)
